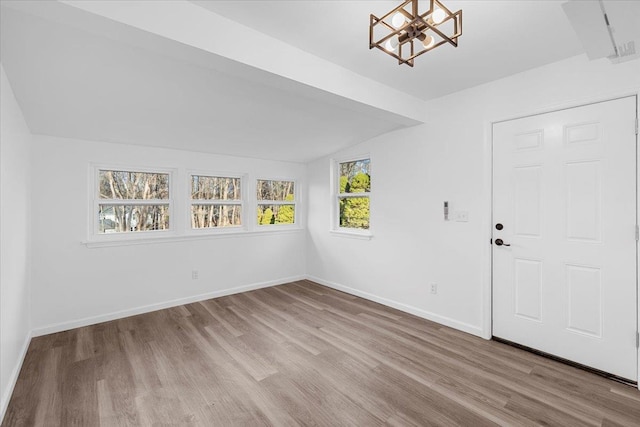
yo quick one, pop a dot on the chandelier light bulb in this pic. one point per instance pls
(438, 16)
(428, 41)
(391, 44)
(398, 20)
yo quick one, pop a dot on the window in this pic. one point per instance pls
(131, 201)
(276, 202)
(216, 202)
(354, 190)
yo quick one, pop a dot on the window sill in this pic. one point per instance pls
(184, 237)
(362, 235)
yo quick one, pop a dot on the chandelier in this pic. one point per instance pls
(406, 32)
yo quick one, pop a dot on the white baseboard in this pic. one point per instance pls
(6, 394)
(65, 326)
(461, 326)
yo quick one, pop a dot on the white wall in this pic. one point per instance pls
(415, 170)
(76, 285)
(14, 231)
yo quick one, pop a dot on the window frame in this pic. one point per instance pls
(336, 196)
(179, 202)
(295, 202)
(96, 201)
(189, 230)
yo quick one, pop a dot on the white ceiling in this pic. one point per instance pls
(500, 38)
(75, 84)
(83, 75)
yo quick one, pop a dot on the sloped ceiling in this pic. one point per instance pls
(500, 38)
(278, 80)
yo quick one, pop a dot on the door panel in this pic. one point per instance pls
(584, 300)
(527, 200)
(528, 283)
(583, 200)
(564, 281)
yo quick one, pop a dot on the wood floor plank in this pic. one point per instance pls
(79, 396)
(300, 354)
(49, 392)
(218, 313)
(252, 362)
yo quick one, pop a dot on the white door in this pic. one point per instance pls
(564, 192)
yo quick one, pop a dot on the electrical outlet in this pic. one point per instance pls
(194, 274)
(434, 288)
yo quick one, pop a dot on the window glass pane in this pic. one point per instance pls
(128, 218)
(215, 188)
(354, 212)
(216, 216)
(355, 177)
(276, 214)
(275, 190)
(133, 185)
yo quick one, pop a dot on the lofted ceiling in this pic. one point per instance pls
(500, 38)
(284, 80)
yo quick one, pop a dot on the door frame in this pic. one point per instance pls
(487, 312)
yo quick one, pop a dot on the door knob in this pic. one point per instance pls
(500, 242)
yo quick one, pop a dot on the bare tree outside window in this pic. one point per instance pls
(132, 201)
(216, 202)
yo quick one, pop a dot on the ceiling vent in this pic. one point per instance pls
(606, 28)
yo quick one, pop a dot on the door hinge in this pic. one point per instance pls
(637, 232)
(636, 125)
(637, 339)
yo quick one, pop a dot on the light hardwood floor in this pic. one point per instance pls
(300, 354)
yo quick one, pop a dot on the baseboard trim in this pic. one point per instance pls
(461, 326)
(6, 394)
(65, 326)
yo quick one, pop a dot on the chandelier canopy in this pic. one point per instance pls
(408, 31)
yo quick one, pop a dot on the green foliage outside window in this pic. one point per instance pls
(275, 213)
(354, 178)
(265, 216)
(286, 213)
